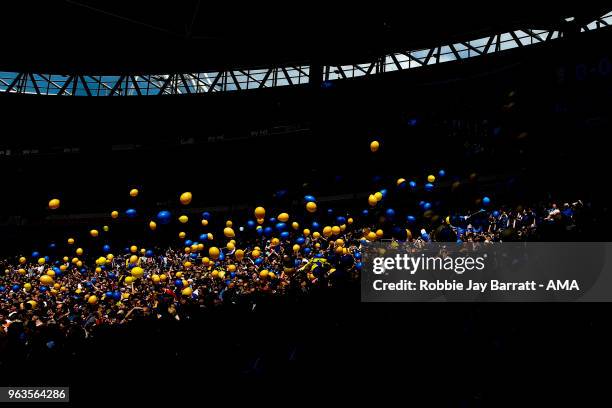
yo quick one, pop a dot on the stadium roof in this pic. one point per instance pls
(112, 37)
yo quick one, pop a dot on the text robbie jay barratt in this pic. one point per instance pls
(492, 285)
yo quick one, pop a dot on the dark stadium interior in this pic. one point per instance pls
(532, 123)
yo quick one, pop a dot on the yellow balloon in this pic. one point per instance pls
(339, 242)
(431, 178)
(374, 146)
(94, 233)
(186, 198)
(311, 206)
(54, 204)
(98, 270)
(33, 303)
(210, 236)
(260, 212)
(256, 253)
(306, 232)
(129, 279)
(183, 219)
(447, 219)
(239, 254)
(400, 181)
(295, 225)
(283, 217)
(133, 249)
(182, 235)
(229, 223)
(46, 280)
(204, 223)
(134, 192)
(50, 272)
(27, 286)
(41, 261)
(152, 225)
(187, 264)
(221, 274)
(274, 241)
(229, 233)
(187, 291)
(349, 221)
(379, 233)
(335, 230)
(133, 259)
(205, 260)
(316, 235)
(263, 274)
(231, 268)
(296, 248)
(327, 231)
(215, 273)
(79, 264)
(231, 246)
(137, 272)
(22, 271)
(378, 196)
(22, 260)
(163, 277)
(105, 228)
(155, 278)
(115, 214)
(213, 252)
(372, 200)
(371, 236)
(110, 257)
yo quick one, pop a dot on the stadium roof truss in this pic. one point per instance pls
(295, 74)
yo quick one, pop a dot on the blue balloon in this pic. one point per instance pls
(164, 217)
(52, 245)
(315, 225)
(272, 220)
(486, 200)
(178, 282)
(56, 270)
(2, 288)
(251, 223)
(42, 288)
(259, 231)
(94, 280)
(232, 275)
(88, 284)
(190, 242)
(111, 275)
(35, 254)
(296, 262)
(427, 206)
(15, 287)
(116, 295)
(221, 256)
(357, 255)
(340, 220)
(390, 212)
(383, 192)
(307, 250)
(441, 173)
(281, 226)
(149, 253)
(429, 186)
(130, 212)
(309, 198)
(109, 294)
(330, 211)
(496, 213)
(206, 215)
(411, 219)
(300, 240)
(258, 261)
(365, 213)
(204, 237)
(412, 184)
(106, 248)
(267, 230)
(284, 234)
(359, 265)
(193, 255)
